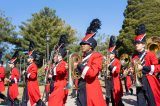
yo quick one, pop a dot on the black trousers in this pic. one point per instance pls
(144, 94)
(25, 96)
(81, 93)
(13, 103)
(125, 84)
(120, 103)
(51, 86)
(109, 87)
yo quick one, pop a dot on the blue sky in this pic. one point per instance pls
(77, 13)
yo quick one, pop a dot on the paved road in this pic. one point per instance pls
(128, 100)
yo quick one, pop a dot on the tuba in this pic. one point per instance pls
(153, 44)
(125, 62)
(73, 74)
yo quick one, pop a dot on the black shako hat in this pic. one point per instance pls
(31, 51)
(90, 33)
(13, 60)
(140, 34)
(1, 62)
(112, 45)
(61, 47)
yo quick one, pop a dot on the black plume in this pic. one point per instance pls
(94, 26)
(63, 40)
(112, 41)
(31, 46)
(140, 29)
(0, 55)
(15, 54)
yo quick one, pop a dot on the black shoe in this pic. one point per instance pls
(2, 96)
(16, 102)
(40, 103)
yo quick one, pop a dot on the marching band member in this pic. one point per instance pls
(2, 76)
(32, 82)
(107, 80)
(49, 80)
(128, 80)
(89, 88)
(13, 82)
(114, 67)
(149, 92)
(59, 95)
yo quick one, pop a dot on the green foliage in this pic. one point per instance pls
(45, 22)
(137, 12)
(7, 36)
(102, 43)
(7, 33)
(41, 74)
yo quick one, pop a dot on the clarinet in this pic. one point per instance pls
(46, 73)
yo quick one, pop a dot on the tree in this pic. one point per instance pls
(8, 36)
(7, 33)
(138, 12)
(102, 43)
(43, 23)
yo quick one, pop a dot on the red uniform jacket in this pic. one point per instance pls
(13, 88)
(32, 84)
(58, 96)
(2, 76)
(117, 89)
(90, 74)
(151, 59)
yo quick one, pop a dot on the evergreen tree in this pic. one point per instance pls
(43, 23)
(102, 43)
(7, 33)
(138, 12)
